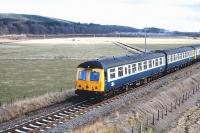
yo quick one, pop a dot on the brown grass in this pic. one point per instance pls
(169, 96)
(99, 127)
(189, 122)
(19, 108)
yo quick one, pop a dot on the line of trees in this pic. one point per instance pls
(13, 26)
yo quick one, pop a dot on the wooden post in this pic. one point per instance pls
(179, 102)
(162, 113)
(158, 115)
(141, 127)
(166, 111)
(153, 120)
(183, 98)
(171, 108)
(175, 103)
(186, 96)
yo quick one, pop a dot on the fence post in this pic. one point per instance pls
(162, 113)
(171, 108)
(141, 127)
(189, 95)
(158, 115)
(183, 98)
(132, 130)
(175, 103)
(166, 111)
(186, 96)
(153, 119)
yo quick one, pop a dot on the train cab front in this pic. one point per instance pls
(90, 82)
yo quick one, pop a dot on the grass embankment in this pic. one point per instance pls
(19, 108)
(130, 116)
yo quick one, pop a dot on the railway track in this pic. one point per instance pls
(128, 47)
(60, 116)
(39, 124)
(47, 121)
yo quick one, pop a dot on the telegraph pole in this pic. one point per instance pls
(145, 40)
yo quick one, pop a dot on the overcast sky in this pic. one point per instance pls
(183, 15)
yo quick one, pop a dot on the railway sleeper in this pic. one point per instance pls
(20, 131)
(27, 128)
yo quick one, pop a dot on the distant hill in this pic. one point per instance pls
(33, 24)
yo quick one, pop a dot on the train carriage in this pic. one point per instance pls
(197, 51)
(178, 57)
(113, 73)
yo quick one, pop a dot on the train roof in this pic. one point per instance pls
(110, 62)
(195, 46)
(177, 50)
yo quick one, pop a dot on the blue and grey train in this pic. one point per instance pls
(109, 75)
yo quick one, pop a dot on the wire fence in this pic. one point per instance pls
(149, 122)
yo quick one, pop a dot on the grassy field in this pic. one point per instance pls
(35, 67)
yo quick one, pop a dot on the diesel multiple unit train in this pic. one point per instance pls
(110, 75)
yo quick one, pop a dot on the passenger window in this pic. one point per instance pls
(156, 62)
(172, 58)
(112, 73)
(129, 69)
(150, 63)
(139, 66)
(94, 76)
(120, 71)
(186, 54)
(145, 65)
(160, 61)
(134, 68)
(153, 63)
(168, 58)
(125, 70)
(180, 57)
